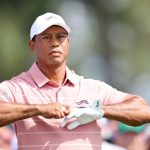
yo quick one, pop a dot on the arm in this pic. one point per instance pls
(10, 113)
(132, 111)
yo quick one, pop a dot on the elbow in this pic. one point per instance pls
(135, 123)
(3, 123)
(138, 120)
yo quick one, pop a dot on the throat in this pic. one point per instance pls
(58, 78)
(55, 75)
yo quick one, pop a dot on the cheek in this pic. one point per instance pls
(65, 47)
(40, 50)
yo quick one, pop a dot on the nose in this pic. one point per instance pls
(54, 42)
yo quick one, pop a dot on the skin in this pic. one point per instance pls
(51, 50)
(133, 111)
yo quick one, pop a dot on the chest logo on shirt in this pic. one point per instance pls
(82, 103)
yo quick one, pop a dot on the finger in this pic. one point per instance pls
(71, 115)
(58, 115)
(64, 122)
(63, 108)
(73, 125)
(66, 109)
(62, 114)
(67, 118)
(62, 111)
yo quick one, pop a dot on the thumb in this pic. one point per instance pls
(67, 118)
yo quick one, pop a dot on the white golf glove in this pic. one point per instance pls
(84, 115)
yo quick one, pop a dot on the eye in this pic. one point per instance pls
(46, 37)
(61, 36)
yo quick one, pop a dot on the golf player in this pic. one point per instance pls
(53, 108)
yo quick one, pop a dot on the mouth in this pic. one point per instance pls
(54, 52)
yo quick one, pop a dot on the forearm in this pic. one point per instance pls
(10, 113)
(132, 111)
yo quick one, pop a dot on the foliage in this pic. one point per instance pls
(113, 33)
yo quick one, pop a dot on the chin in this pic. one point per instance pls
(56, 62)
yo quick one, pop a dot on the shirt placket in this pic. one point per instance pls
(59, 97)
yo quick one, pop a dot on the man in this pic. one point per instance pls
(38, 100)
(131, 138)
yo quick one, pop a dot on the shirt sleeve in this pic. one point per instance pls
(111, 95)
(6, 92)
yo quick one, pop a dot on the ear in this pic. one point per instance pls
(32, 45)
(68, 42)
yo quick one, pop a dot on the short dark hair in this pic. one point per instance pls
(33, 39)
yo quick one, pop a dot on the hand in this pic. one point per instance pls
(54, 110)
(84, 115)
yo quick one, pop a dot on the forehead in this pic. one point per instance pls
(55, 28)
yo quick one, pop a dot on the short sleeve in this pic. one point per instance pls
(6, 92)
(111, 95)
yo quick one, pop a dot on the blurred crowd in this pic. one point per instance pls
(8, 139)
(115, 135)
(119, 136)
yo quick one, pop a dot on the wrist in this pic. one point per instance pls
(103, 111)
(39, 109)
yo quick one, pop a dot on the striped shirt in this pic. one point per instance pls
(39, 133)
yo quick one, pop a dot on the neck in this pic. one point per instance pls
(54, 73)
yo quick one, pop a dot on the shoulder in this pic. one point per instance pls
(22, 78)
(10, 88)
(94, 85)
(93, 82)
(81, 80)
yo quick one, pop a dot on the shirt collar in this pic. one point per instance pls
(70, 75)
(40, 79)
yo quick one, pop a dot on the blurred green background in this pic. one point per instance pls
(110, 39)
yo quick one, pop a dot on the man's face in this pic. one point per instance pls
(51, 46)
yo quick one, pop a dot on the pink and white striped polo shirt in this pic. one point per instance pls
(38, 133)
